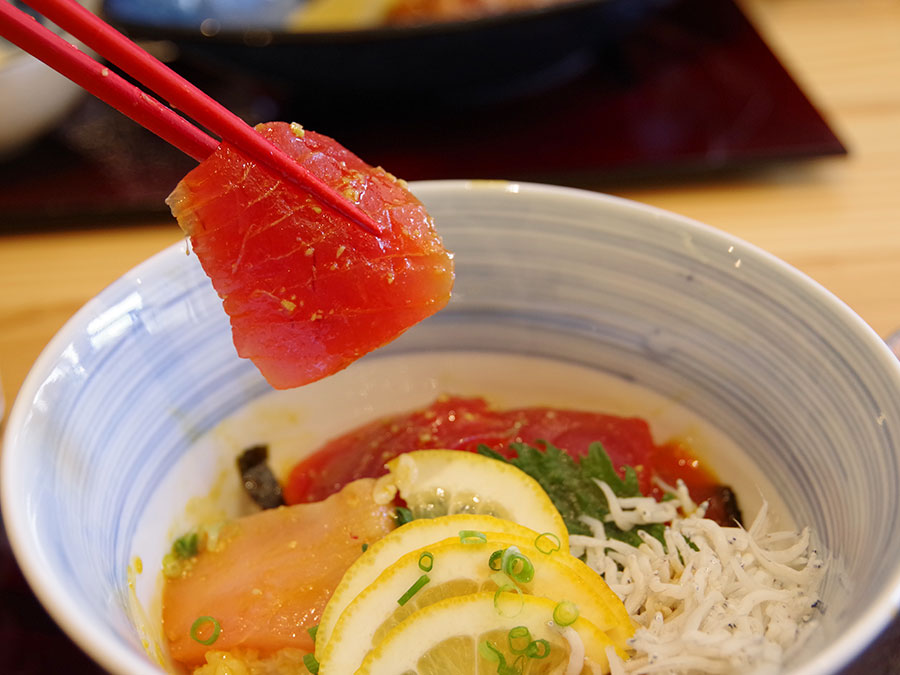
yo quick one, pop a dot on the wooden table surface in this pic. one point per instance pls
(836, 219)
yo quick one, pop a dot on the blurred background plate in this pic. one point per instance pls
(451, 61)
(692, 90)
(33, 97)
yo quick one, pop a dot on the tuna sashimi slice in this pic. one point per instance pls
(307, 291)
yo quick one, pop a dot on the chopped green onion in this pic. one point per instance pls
(495, 562)
(403, 515)
(501, 580)
(517, 566)
(312, 631)
(415, 588)
(498, 601)
(565, 613)
(472, 537)
(200, 623)
(186, 546)
(426, 561)
(517, 667)
(519, 638)
(547, 542)
(538, 649)
(311, 663)
(365, 547)
(489, 651)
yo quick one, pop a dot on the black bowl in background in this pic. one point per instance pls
(452, 62)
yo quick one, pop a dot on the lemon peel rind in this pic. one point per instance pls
(423, 471)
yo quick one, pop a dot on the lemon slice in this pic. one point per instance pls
(453, 568)
(386, 551)
(447, 637)
(445, 482)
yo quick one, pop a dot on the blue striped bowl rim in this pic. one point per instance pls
(778, 363)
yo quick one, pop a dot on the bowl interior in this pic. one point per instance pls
(781, 368)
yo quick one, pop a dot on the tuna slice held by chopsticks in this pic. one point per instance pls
(306, 292)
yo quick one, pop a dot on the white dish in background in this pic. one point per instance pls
(34, 98)
(765, 356)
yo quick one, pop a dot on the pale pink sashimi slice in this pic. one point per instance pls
(270, 574)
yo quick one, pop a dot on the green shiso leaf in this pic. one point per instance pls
(572, 485)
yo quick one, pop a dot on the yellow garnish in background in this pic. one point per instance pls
(328, 15)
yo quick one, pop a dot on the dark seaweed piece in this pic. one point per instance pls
(728, 500)
(258, 479)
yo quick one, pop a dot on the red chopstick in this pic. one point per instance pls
(30, 35)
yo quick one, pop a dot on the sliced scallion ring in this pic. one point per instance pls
(518, 566)
(501, 580)
(495, 562)
(506, 609)
(489, 651)
(538, 649)
(426, 561)
(198, 625)
(547, 543)
(518, 638)
(472, 537)
(565, 613)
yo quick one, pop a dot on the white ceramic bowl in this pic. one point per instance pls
(34, 98)
(96, 464)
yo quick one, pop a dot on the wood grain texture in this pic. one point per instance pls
(836, 219)
(45, 278)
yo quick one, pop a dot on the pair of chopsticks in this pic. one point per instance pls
(24, 31)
